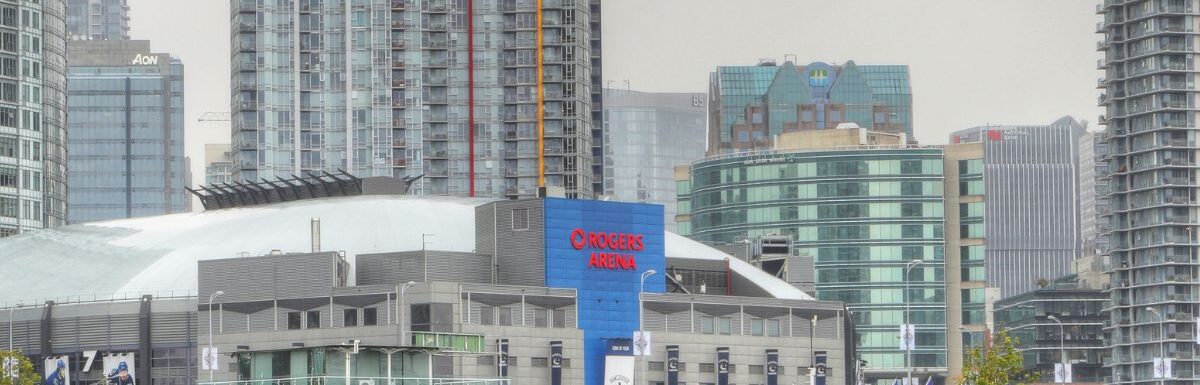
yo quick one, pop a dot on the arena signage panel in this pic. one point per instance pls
(609, 250)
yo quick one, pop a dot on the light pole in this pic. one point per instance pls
(1162, 335)
(1062, 346)
(403, 330)
(641, 318)
(211, 297)
(10, 324)
(908, 321)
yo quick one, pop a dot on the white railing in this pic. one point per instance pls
(341, 380)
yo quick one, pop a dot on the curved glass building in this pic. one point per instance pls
(32, 115)
(862, 211)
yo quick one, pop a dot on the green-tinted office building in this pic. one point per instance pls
(863, 211)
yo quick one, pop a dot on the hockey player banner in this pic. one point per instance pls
(58, 370)
(120, 368)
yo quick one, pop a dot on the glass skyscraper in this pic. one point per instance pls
(126, 123)
(1149, 97)
(475, 97)
(864, 210)
(750, 104)
(1031, 178)
(33, 167)
(98, 19)
(649, 133)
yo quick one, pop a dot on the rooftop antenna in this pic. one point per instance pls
(792, 55)
(626, 84)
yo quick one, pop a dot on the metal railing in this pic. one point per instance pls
(341, 380)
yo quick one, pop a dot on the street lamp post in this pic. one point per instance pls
(1062, 346)
(211, 365)
(10, 324)
(400, 317)
(1162, 336)
(908, 321)
(641, 318)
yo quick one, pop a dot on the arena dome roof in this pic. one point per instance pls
(157, 255)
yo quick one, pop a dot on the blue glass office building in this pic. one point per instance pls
(750, 104)
(126, 122)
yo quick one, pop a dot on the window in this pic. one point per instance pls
(8, 176)
(485, 315)
(520, 219)
(370, 316)
(539, 362)
(485, 360)
(657, 366)
(707, 367)
(706, 325)
(773, 328)
(314, 319)
(506, 316)
(756, 326)
(539, 318)
(726, 325)
(8, 146)
(351, 317)
(293, 320)
(560, 318)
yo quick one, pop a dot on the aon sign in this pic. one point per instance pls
(145, 60)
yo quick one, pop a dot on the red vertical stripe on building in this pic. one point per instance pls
(471, 96)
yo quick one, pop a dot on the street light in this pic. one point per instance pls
(1162, 335)
(10, 324)
(908, 321)
(1062, 346)
(211, 365)
(641, 318)
(403, 330)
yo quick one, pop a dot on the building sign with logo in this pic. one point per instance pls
(144, 60)
(618, 362)
(609, 250)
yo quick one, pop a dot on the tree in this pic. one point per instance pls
(997, 364)
(26, 374)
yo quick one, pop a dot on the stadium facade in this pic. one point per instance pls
(369, 288)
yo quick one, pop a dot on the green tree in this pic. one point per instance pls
(26, 374)
(998, 364)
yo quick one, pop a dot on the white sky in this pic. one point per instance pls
(972, 61)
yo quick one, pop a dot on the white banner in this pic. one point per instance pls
(120, 368)
(1062, 373)
(618, 370)
(1162, 368)
(1198, 328)
(908, 337)
(208, 358)
(641, 344)
(58, 370)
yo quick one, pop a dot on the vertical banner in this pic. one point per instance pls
(208, 358)
(772, 367)
(502, 358)
(641, 343)
(672, 365)
(1162, 368)
(722, 366)
(119, 368)
(822, 358)
(618, 362)
(1062, 373)
(556, 361)
(908, 337)
(58, 370)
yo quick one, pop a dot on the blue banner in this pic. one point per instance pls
(556, 360)
(722, 366)
(502, 358)
(673, 365)
(619, 347)
(822, 358)
(772, 367)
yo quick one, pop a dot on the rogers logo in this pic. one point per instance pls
(606, 241)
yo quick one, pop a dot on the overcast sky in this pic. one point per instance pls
(972, 62)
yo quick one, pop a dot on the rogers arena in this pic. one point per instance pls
(537, 291)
